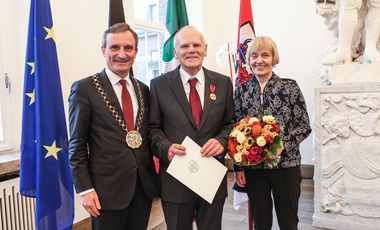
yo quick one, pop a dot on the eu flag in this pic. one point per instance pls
(44, 170)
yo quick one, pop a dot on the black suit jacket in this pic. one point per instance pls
(171, 121)
(99, 155)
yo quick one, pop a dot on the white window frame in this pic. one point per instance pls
(137, 23)
(6, 121)
(5, 93)
(12, 48)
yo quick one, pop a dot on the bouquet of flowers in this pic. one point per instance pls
(254, 141)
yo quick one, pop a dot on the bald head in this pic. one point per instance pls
(186, 30)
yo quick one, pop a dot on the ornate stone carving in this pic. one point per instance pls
(347, 155)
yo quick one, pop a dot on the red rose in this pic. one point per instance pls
(255, 159)
(276, 128)
(254, 155)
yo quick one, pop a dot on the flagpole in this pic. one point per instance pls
(229, 61)
(246, 33)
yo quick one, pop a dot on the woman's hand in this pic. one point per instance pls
(280, 151)
(240, 178)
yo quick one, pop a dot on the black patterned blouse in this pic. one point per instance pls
(283, 99)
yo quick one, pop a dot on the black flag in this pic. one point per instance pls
(116, 13)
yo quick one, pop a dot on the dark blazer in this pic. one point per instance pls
(99, 155)
(282, 99)
(171, 121)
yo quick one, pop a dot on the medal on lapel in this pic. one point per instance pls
(133, 139)
(212, 94)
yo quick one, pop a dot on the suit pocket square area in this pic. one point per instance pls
(102, 169)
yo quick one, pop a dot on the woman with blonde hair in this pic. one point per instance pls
(268, 94)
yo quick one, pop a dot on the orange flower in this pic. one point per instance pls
(256, 129)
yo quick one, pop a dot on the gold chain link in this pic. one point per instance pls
(112, 108)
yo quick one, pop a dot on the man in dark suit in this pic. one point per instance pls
(176, 111)
(110, 161)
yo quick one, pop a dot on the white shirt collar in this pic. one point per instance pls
(185, 77)
(114, 78)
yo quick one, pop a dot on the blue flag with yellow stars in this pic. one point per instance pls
(44, 170)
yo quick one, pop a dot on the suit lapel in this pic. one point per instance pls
(209, 79)
(110, 92)
(179, 93)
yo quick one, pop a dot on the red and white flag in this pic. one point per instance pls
(245, 35)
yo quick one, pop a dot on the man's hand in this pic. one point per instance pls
(240, 178)
(176, 149)
(90, 202)
(212, 148)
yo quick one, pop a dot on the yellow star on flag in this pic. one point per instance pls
(50, 33)
(32, 96)
(52, 150)
(31, 64)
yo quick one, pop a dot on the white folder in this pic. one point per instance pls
(202, 175)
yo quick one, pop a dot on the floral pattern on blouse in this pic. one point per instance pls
(283, 99)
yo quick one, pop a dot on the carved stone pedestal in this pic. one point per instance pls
(347, 157)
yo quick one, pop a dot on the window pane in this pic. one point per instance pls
(150, 10)
(3, 80)
(148, 60)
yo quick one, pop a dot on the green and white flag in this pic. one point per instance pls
(176, 18)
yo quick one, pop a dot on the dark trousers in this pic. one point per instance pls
(181, 216)
(133, 217)
(284, 186)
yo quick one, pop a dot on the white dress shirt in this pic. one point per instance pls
(114, 79)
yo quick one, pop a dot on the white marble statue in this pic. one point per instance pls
(358, 29)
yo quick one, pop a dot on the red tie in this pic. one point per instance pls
(195, 102)
(126, 101)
